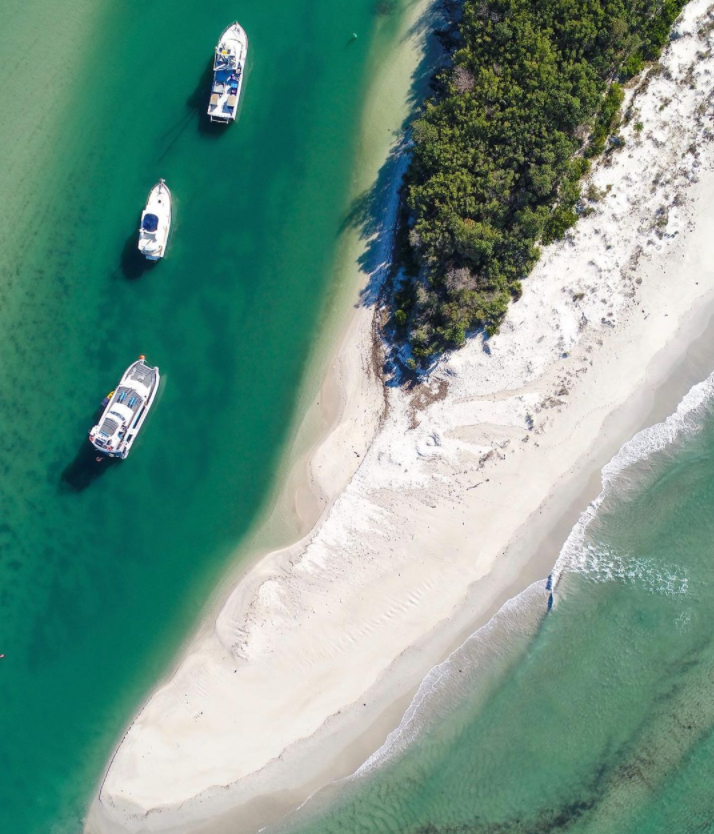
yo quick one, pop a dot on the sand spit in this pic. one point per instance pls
(319, 638)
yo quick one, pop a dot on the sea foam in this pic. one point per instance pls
(519, 618)
(580, 554)
(497, 643)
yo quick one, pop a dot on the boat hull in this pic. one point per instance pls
(155, 224)
(228, 73)
(127, 410)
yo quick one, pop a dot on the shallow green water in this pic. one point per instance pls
(595, 718)
(103, 569)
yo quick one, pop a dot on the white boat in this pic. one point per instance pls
(126, 410)
(228, 72)
(155, 223)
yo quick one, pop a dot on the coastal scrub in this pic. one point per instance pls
(532, 92)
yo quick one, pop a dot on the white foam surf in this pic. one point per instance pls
(447, 683)
(579, 554)
(518, 619)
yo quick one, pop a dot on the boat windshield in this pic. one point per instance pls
(150, 223)
(224, 60)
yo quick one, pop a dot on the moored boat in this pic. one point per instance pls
(126, 411)
(228, 71)
(155, 223)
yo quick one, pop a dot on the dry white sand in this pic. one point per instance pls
(437, 489)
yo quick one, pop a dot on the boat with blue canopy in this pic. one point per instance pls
(228, 71)
(155, 223)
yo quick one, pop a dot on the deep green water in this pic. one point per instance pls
(103, 570)
(593, 719)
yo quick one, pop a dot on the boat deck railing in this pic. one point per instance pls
(143, 375)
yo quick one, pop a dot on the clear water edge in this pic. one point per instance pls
(422, 780)
(670, 377)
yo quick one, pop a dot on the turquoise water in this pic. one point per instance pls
(103, 570)
(595, 718)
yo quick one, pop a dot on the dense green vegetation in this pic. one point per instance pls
(532, 92)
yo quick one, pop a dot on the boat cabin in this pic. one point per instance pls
(150, 223)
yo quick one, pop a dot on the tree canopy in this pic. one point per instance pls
(530, 94)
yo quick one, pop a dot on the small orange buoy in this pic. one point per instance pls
(141, 356)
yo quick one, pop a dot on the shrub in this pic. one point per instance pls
(500, 151)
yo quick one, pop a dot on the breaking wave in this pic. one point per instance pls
(473, 671)
(496, 644)
(518, 620)
(577, 554)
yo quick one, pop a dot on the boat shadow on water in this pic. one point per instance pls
(197, 103)
(133, 265)
(88, 464)
(196, 108)
(85, 469)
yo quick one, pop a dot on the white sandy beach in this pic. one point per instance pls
(438, 496)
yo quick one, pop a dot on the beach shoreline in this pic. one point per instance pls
(514, 424)
(335, 373)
